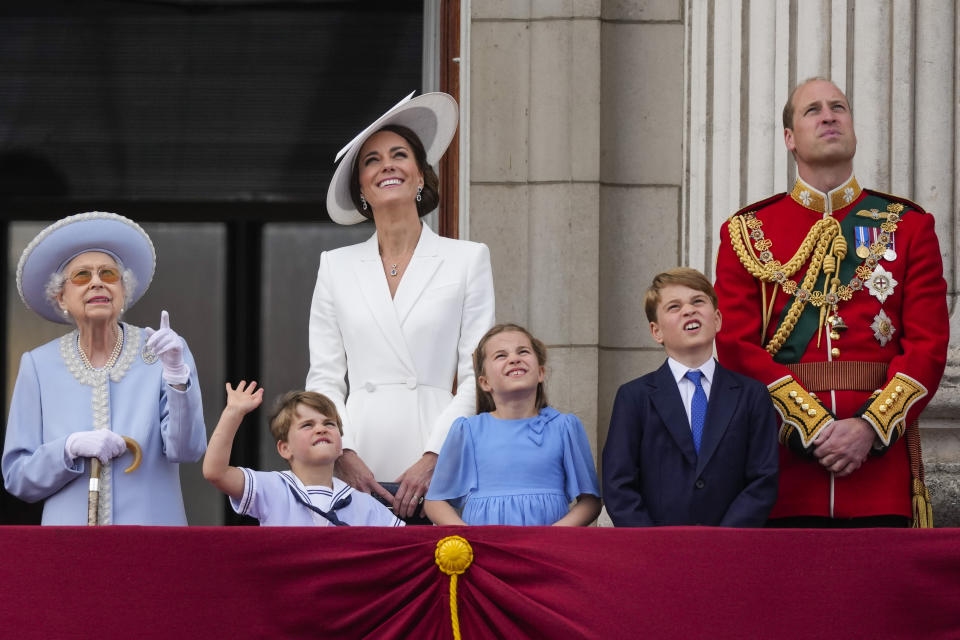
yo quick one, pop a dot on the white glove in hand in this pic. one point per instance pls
(100, 443)
(169, 347)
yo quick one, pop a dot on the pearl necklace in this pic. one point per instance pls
(117, 347)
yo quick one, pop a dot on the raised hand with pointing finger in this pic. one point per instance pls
(168, 346)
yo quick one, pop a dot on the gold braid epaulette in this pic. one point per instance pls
(817, 242)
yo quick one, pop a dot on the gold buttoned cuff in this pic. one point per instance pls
(800, 411)
(887, 409)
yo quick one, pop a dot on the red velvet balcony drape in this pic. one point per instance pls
(238, 582)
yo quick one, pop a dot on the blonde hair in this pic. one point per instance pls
(285, 410)
(683, 276)
(485, 401)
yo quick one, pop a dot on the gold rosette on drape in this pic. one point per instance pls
(454, 556)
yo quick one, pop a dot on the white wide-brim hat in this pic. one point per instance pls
(48, 253)
(432, 116)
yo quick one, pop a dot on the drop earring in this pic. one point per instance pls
(419, 191)
(363, 202)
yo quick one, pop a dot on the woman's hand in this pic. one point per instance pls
(352, 470)
(414, 483)
(102, 444)
(166, 344)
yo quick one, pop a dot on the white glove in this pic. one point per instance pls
(99, 443)
(169, 347)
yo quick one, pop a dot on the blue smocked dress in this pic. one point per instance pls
(515, 472)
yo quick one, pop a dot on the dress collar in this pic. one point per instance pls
(825, 203)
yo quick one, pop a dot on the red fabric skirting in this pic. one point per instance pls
(248, 582)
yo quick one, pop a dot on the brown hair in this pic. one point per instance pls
(430, 197)
(789, 107)
(683, 276)
(485, 401)
(285, 410)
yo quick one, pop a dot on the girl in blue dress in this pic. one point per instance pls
(518, 461)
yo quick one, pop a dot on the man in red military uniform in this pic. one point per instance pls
(833, 296)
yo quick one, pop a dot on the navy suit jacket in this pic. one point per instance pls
(652, 474)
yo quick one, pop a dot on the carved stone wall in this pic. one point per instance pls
(609, 139)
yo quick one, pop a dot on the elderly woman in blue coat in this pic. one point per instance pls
(76, 397)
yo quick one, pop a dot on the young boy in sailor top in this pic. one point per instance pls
(308, 431)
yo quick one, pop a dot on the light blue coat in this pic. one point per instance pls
(55, 396)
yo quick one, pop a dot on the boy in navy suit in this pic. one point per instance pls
(691, 443)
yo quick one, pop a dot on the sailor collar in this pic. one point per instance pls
(825, 203)
(340, 489)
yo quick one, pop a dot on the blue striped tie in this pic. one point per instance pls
(698, 408)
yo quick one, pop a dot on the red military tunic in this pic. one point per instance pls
(880, 355)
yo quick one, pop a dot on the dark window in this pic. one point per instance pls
(214, 125)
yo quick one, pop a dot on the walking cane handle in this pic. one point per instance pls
(134, 448)
(93, 498)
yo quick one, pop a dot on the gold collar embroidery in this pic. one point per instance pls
(825, 203)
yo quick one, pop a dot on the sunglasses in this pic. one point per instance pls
(109, 275)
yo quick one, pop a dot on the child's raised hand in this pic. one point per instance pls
(245, 398)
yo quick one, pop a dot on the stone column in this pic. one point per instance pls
(534, 179)
(641, 176)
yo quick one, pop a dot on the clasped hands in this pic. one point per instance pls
(843, 445)
(414, 482)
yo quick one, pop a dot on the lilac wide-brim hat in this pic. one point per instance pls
(65, 239)
(432, 116)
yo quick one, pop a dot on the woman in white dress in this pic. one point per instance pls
(395, 319)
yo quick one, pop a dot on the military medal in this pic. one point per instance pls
(863, 245)
(883, 238)
(883, 328)
(880, 283)
(891, 253)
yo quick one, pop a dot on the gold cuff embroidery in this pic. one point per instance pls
(798, 409)
(888, 410)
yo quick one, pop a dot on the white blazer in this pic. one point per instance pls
(399, 356)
